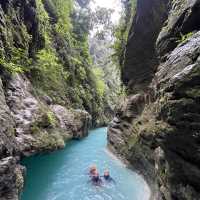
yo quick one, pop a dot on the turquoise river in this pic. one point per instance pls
(63, 175)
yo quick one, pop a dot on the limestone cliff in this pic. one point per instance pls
(157, 127)
(48, 93)
(28, 126)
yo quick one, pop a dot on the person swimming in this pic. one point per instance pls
(93, 170)
(107, 176)
(96, 180)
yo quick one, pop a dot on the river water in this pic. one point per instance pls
(63, 175)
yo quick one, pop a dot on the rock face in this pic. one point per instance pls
(40, 86)
(9, 169)
(181, 21)
(74, 122)
(11, 181)
(149, 14)
(7, 135)
(24, 110)
(30, 125)
(157, 127)
(38, 125)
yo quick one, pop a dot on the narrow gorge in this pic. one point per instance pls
(61, 62)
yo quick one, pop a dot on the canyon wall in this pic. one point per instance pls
(48, 93)
(157, 126)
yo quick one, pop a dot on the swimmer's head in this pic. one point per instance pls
(106, 173)
(96, 174)
(93, 168)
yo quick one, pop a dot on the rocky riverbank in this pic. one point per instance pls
(157, 126)
(31, 125)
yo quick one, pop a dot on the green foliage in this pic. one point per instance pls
(60, 61)
(50, 140)
(34, 129)
(133, 7)
(64, 10)
(122, 30)
(43, 17)
(25, 35)
(102, 16)
(67, 79)
(10, 67)
(163, 173)
(51, 74)
(185, 37)
(121, 35)
(18, 63)
(82, 73)
(51, 120)
(47, 120)
(48, 74)
(80, 43)
(100, 84)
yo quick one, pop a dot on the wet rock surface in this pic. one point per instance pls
(31, 125)
(74, 122)
(162, 140)
(11, 180)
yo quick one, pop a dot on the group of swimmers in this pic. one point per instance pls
(96, 178)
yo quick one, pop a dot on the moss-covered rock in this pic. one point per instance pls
(162, 140)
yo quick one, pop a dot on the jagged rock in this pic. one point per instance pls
(38, 126)
(183, 19)
(8, 143)
(140, 60)
(121, 125)
(29, 126)
(48, 100)
(178, 81)
(163, 141)
(24, 108)
(11, 179)
(74, 122)
(83, 122)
